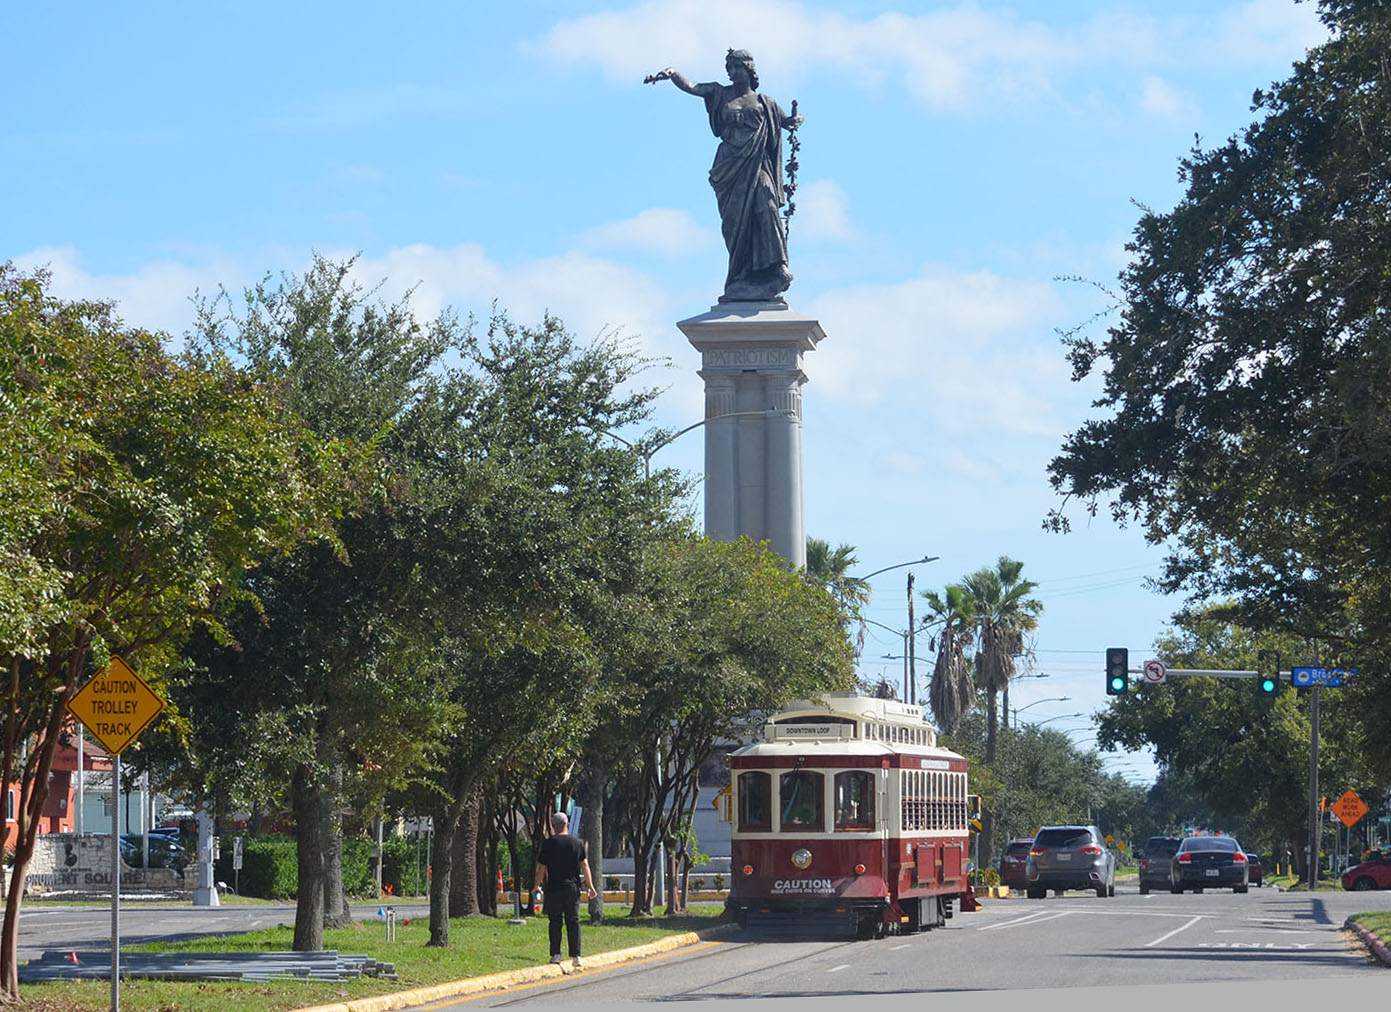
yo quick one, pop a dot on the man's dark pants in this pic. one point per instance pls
(563, 906)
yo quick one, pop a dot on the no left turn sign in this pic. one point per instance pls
(1154, 672)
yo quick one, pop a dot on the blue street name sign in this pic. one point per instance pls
(1331, 677)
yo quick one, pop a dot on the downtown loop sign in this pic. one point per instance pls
(115, 706)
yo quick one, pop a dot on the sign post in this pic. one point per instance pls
(115, 705)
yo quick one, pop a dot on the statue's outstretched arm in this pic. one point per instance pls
(681, 81)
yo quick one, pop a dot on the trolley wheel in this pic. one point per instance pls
(1238, 889)
(1197, 889)
(1144, 890)
(1034, 893)
(866, 928)
(1177, 890)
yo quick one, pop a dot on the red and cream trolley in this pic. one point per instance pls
(847, 817)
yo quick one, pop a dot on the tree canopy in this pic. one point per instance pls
(1247, 377)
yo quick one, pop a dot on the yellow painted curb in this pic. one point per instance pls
(511, 978)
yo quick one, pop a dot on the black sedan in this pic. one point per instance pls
(1203, 862)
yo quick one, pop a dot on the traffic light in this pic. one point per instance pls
(1268, 673)
(1117, 671)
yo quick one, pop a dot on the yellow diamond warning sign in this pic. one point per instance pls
(116, 705)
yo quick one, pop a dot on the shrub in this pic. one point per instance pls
(269, 866)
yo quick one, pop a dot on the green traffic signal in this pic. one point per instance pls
(1268, 673)
(1117, 671)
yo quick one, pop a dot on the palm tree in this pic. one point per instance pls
(951, 691)
(830, 568)
(1004, 612)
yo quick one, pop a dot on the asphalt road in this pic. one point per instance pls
(89, 927)
(1217, 945)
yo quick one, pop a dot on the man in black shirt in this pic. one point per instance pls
(561, 867)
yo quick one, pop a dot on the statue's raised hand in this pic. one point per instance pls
(665, 74)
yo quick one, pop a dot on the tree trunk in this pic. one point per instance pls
(442, 863)
(463, 891)
(594, 837)
(337, 913)
(306, 804)
(987, 822)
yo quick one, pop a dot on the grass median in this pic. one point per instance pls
(1376, 921)
(478, 946)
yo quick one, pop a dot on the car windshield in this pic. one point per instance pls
(1017, 849)
(1066, 836)
(1164, 848)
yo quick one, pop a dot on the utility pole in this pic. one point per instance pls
(912, 696)
(1315, 816)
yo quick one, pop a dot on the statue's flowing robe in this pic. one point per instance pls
(747, 179)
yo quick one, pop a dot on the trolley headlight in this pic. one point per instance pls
(748, 869)
(801, 858)
(859, 869)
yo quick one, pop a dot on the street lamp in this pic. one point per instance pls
(1016, 711)
(900, 565)
(647, 454)
(1061, 716)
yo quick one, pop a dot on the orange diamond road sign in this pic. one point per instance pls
(116, 705)
(1349, 808)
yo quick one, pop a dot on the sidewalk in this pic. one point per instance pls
(526, 975)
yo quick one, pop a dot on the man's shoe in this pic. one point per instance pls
(578, 962)
(556, 958)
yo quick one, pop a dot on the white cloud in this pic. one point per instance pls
(1158, 98)
(155, 297)
(823, 211)
(971, 349)
(949, 57)
(667, 231)
(1263, 31)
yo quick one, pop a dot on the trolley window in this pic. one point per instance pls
(854, 800)
(755, 802)
(801, 794)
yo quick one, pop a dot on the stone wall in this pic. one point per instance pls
(69, 865)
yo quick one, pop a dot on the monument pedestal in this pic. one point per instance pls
(751, 361)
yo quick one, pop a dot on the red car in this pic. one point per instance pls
(1012, 862)
(1373, 873)
(1254, 872)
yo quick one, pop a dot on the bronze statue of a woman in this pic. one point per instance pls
(746, 176)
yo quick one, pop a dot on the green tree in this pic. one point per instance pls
(345, 654)
(723, 635)
(830, 568)
(1003, 613)
(951, 692)
(141, 487)
(1247, 388)
(557, 538)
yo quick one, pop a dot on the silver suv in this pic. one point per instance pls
(1070, 857)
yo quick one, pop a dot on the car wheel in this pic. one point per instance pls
(1364, 884)
(1111, 889)
(1144, 890)
(1177, 890)
(1101, 891)
(1238, 889)
(1197, 889)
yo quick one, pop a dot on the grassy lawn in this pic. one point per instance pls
(1378, 921)
(477, 946)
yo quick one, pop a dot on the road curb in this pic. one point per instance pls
(1372, 941)
(525, 975)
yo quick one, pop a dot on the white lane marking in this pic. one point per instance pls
(1171, 934)
(1278, 931)
(1031, 919)
(843, 966)
(895, 948)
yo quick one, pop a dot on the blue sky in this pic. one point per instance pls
(957, 159)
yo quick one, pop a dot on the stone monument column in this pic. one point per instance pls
(751, 361)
